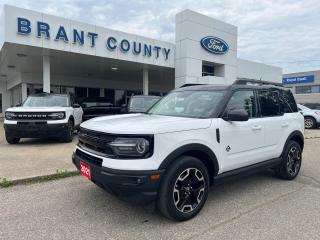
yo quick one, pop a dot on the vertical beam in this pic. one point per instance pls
(24, 91)
(46, 74)
(145, 79)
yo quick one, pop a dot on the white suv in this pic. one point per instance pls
(189, 140)
(43, 115)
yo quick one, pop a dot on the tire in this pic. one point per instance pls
(68, 136)
(184, 189)
(12, 140)
(290, 165)
(310, 122)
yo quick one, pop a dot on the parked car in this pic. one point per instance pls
(141, 103)
(43, 115)
(191, 139)
(311, 116)
(97, 107)
(314, 106)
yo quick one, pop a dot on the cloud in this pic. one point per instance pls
(284, 33)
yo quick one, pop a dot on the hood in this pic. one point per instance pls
(144, 124)
(36, 109)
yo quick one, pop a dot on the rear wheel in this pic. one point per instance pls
(310, 122)
(12, 140)
(184, 189)
(291, 161)
(68, 136)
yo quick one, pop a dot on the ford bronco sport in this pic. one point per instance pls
(43, 115)
(189, 140)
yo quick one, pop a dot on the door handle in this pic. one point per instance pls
(256, 127)
(285, 124)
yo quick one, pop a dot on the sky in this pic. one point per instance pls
(284, 33)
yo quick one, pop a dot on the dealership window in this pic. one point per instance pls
(109, 95)
(81, 92)
(93, 92)
(120, 97)
(0, 103)
(307, 89)
(207, 69)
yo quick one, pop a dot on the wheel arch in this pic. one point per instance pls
(296, 136)
(200, 151)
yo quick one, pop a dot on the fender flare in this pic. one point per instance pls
(294, 135)
(189, 148)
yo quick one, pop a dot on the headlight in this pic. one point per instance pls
(57, 115)
(10, 115)
(130, 147)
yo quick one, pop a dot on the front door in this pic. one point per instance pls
(241, 142)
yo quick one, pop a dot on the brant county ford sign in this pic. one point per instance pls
(214, 45)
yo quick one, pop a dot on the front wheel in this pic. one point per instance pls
(68, 136)
(184, 189)
(309, 122)
(291, 161)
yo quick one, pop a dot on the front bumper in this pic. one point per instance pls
(35, 129)
(132, 186)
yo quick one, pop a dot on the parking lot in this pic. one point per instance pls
(256, 207)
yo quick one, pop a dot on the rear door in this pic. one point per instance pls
(274, 121)
(242, 142)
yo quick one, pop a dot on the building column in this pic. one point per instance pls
(46, 74)
(24, 91)
(145, 80)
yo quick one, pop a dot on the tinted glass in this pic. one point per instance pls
(287, 101)
(269, 103)
(47, 101)
(80, 92)
(93, 92)
(120, 97)
(243, 100)
(109, 95)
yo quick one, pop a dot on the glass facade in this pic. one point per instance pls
(307, 89)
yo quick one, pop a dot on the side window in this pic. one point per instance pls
(245, 100)
(288, 98)
(269, 103)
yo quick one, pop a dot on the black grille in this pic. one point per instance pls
(96, 141)
(31, 116)
(88, 158)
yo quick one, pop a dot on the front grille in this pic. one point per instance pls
(88, 158)
(32, 116)
(96, 141)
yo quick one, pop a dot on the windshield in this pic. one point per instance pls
(46, 101)
(142, 103)
(196, 104)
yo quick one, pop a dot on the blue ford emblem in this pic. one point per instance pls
(214, 45)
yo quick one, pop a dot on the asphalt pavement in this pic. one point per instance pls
(257, 207)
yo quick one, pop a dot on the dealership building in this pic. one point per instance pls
(41, 52)
(305, 86)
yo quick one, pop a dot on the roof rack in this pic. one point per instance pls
(191, 84)
(258, 82)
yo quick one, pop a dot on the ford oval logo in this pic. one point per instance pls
(214, 45)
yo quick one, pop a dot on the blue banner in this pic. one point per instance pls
(301, 79)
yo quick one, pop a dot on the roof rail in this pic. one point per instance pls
(191, 84)
(258, 82)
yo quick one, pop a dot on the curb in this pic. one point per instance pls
(43, 178)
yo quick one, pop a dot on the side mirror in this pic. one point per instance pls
(236, 115)
(76, 105)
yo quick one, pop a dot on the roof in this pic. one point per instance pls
(238, 84)
(48, 94)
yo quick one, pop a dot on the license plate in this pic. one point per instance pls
(85, 170)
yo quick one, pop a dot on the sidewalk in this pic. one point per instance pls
(34, 157)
